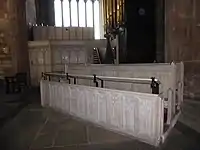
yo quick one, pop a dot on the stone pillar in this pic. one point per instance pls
(182, 34)
(30, 12)
(179, 22)
(13, 26)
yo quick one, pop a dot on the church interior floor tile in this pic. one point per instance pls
(37, 128)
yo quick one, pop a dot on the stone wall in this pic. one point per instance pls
(30, 12)
(182, 40)
(13, 27)
(45, 12)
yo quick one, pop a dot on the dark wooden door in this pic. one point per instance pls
(141, 33)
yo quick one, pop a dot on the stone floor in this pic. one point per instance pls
(37, 128)
(11, 104)
(191, 114)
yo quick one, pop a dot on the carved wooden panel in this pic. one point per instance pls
(135, 114)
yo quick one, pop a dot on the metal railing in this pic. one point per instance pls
(153, 82)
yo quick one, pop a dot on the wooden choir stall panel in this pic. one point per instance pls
(49, 56)
(106, 96)
(170, 76)
(42, 33)
(134, 114)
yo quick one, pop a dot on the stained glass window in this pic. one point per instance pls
(66, 15)
(58, 13)
(96, 20)
(89, 13)
(79, 16)
(82, 13)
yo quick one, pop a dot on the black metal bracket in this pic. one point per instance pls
(49, 78)
(95, 80)
(154, 86)
(73, 78)
(67, 77)
(44, 77)
(101, 83)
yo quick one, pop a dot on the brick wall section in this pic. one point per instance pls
(183, 41)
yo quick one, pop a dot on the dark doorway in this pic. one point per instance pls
(141, 32)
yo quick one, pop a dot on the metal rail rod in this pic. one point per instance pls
(153, 82)
(106, 78)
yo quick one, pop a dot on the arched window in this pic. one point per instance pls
(89, 13)
(74, 14)
(97, 20)
(66, 13)
(58, 13)
(79, 16)
(82, 13)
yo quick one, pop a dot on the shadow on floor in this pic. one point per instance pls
(189, 132)
(37, 128)
(12, 104)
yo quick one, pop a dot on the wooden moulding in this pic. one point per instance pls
(123, 112)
